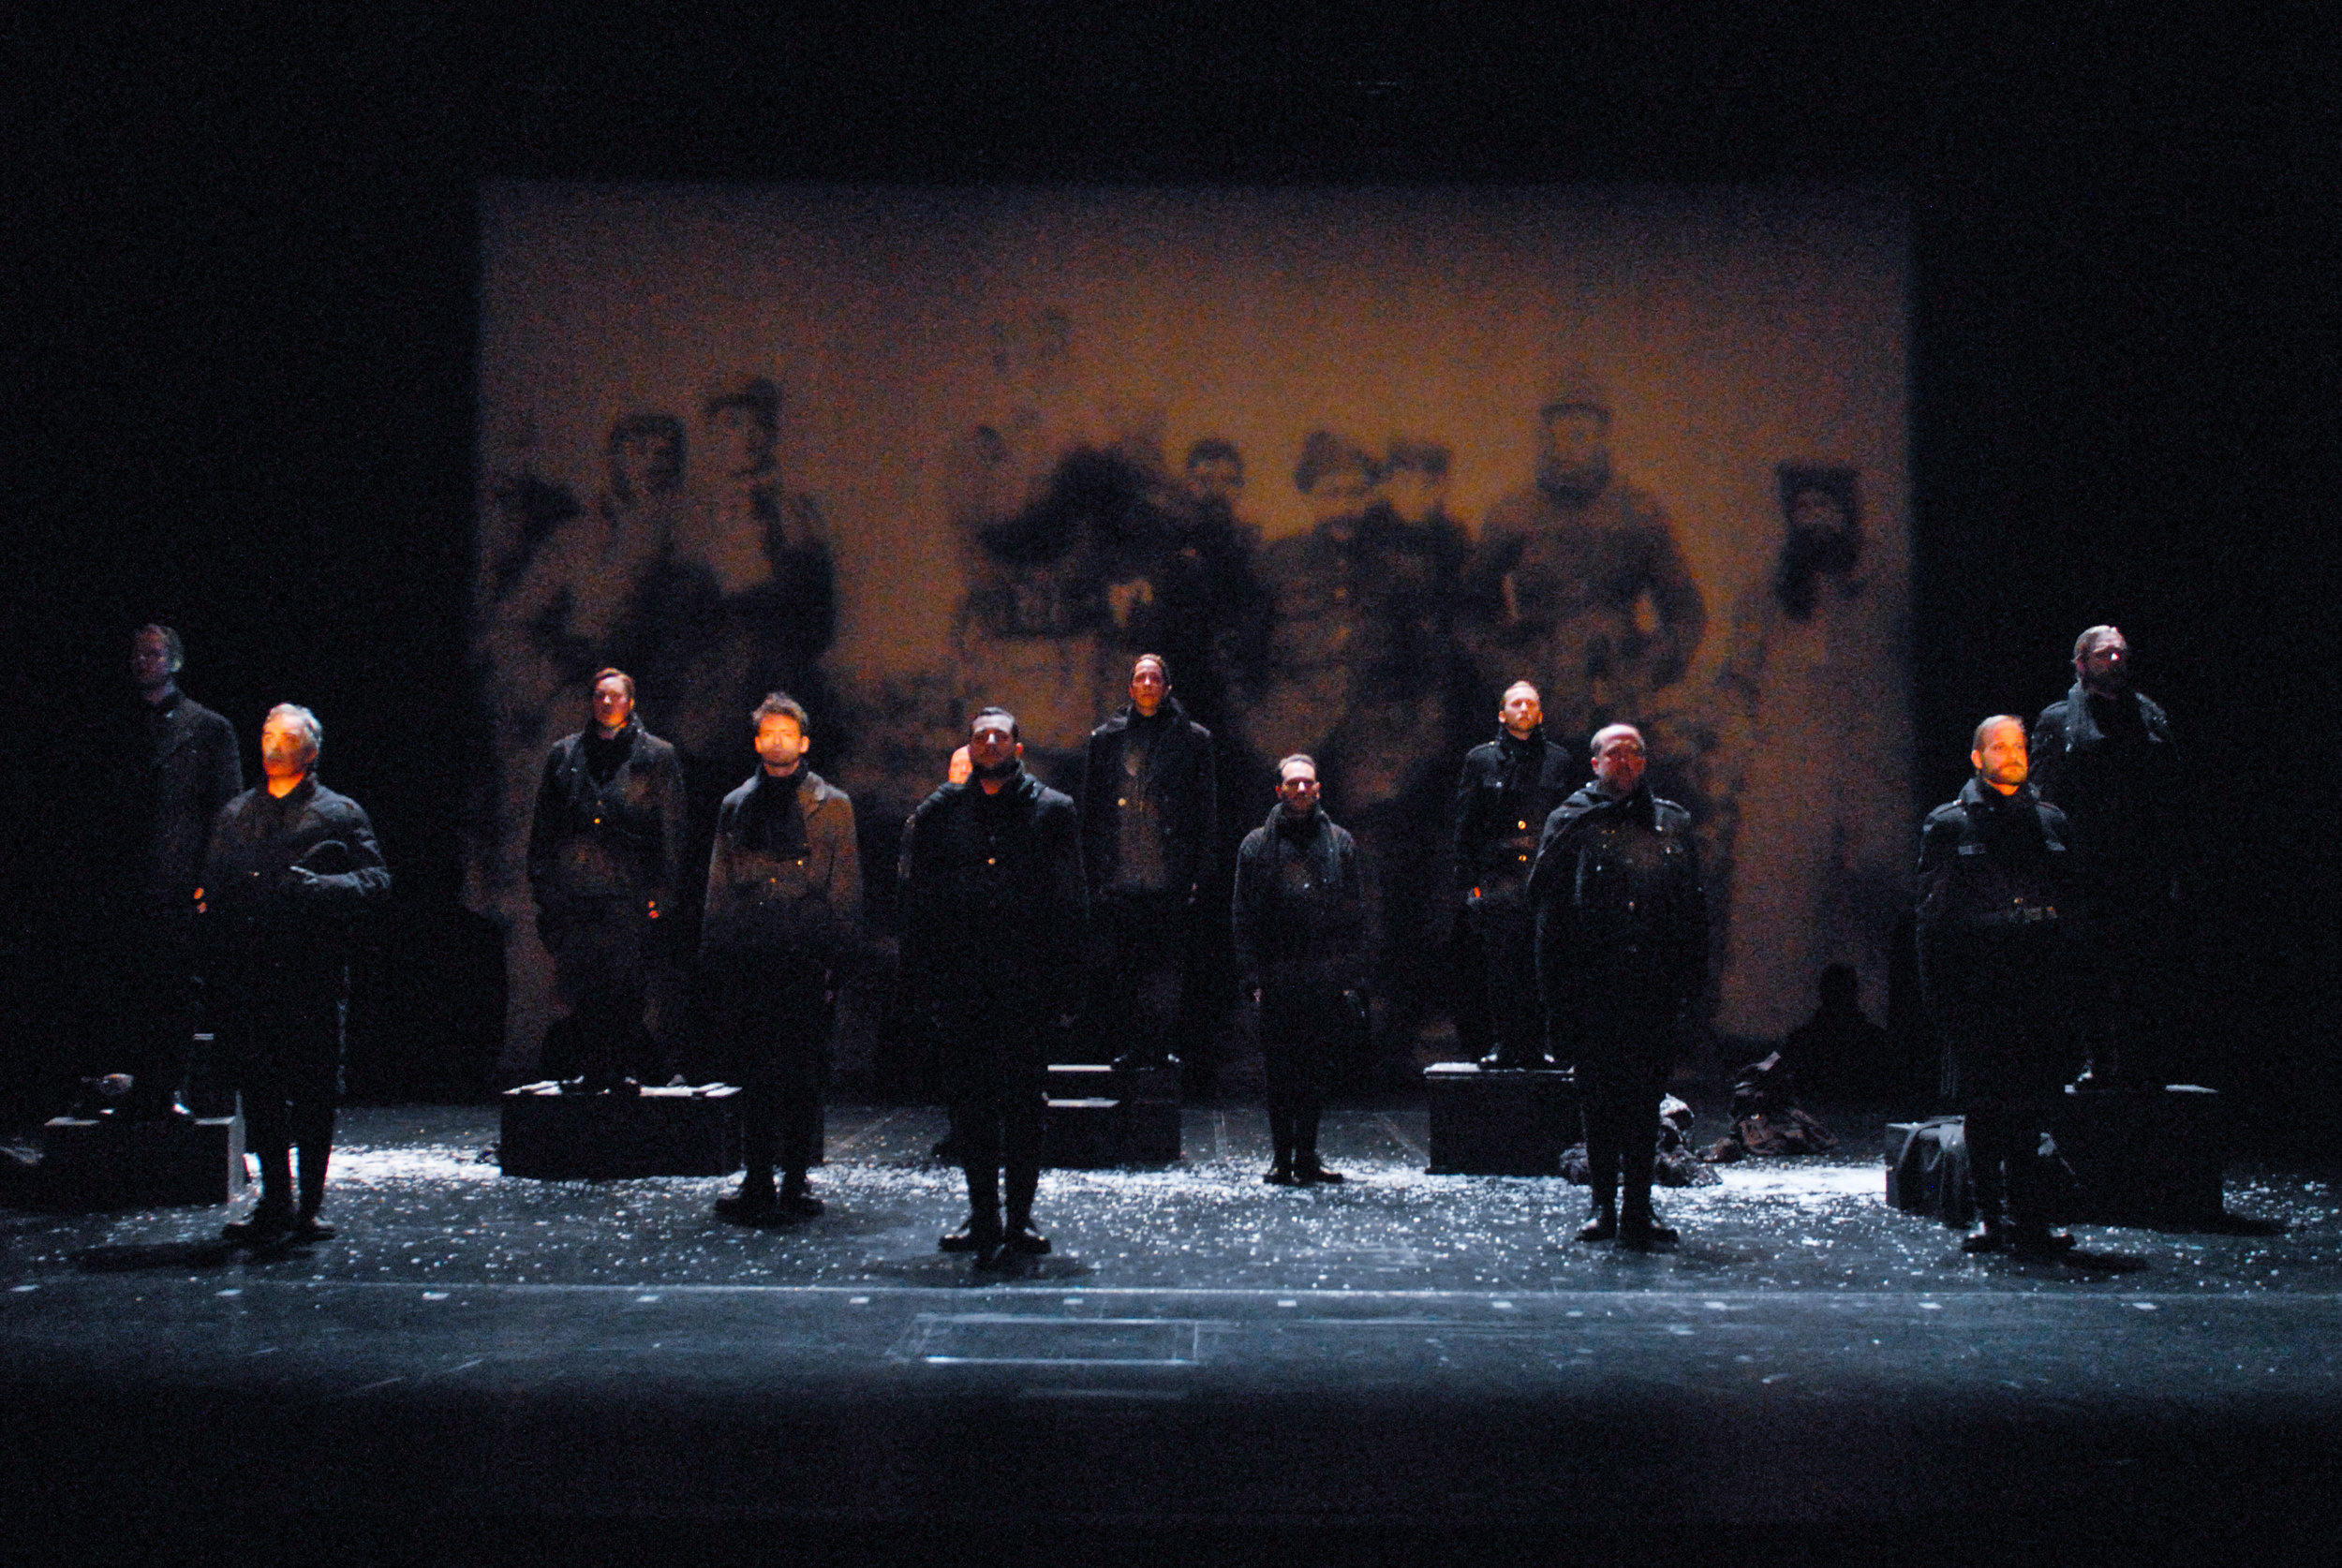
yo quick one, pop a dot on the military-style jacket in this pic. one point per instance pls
(1298, 899)
(1178, 794)
(176, 766)
(1994, 876)
(1616, 886)
(1507, 790)
(256, 902)
(761, 902)
(2111, 766)
(994, 905)
(617, 843)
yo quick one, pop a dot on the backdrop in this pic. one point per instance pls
(1355, 460)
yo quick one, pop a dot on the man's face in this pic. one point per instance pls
(1296, 786)
(779, 741)
(2106, 668)
(962, 767)
(1522, 712)
(2002, 763)
(1147, 687)
(1816, 511)
(1415, 496)
(992, 745)
(1619, 762)
(1344, 492)
(613, 704)
(149, 661)
(743, 445)
(284, 749)
(1216, 478)
(1577, 439)
(648, 464)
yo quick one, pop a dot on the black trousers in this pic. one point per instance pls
(601, 971)
(1301, 1015)
(280, 1028)
(140, 1007)
(1507, 925)
(1143, 949)
(1627, 1034)
(769, 1021)
(997, 1084)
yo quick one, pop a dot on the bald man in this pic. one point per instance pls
(1621, 961)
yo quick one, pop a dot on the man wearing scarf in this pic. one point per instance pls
(1301, 922)
(1621, 959)
(1992, 922)
(784, 914)
(605, 852)
(996, 912)
(1509, 787)
(2105, 756)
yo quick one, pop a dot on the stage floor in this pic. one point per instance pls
(1401, 1364)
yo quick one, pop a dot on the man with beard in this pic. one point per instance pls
(1300, 913)
(174, 763)
(1993, 968)
(996, 910)
(1150, 811)
(1622, 958)
(289, 867)
(784, 911)
(2105, 756)
(1581, 575)
(1509, 787)
(605, 847)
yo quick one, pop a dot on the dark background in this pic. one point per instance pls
(243, 281)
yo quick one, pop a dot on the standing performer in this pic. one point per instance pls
(1150, 807)
(995, 911)
(784, 913)
(1509, 787)
(1993, 968)
(2105, 756)
(1622, 958)
(174, 763)
(289, 867)
(605, 847)
(1300, 923)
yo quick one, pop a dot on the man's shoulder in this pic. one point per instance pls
(824, 792)
(2056, 718)
(1115, 725)
(1951, 813)
(1486, 754)
(333, 803)
(1669, 816)
(2151, 713)
(945, 797)
(1049, 803)
(196, 717)
(738, 796)
(650, 746)
(238, 804)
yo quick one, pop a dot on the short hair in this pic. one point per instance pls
(1161, 663)
(172, 647)
(636, 427)
(1428, 458)
(982, 714)
(608, 671)
(294, 712)
(780, 705)
(1214, 449)
(1506, 695)
(760, 395)
(2090, 640)
(1975, 742)
(1324, 452)
(1593, 746)
(1284, 763)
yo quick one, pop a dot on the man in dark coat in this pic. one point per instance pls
(996, 914)
(1622, 961)
(289, 868)
(1150, 811)
(2105, 756)
(1993, 901)
(784, 916)
(1300, 923)
(1508, 788)
(605, 849)
(175, 763)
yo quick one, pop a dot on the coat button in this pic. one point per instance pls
(1524, 857)
(1124, 801)
(1521, 824)
(992, 860)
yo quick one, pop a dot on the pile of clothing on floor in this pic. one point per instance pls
(1675, 1164)
(1766, 1118)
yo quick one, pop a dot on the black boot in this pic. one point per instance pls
(753, 1204)
(796, 1199)
(1281, 1171)
(1602, 1224)
(1307, 1171)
